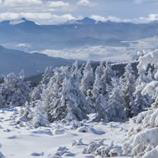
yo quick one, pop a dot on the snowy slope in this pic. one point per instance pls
(66, 122)
(20, 141)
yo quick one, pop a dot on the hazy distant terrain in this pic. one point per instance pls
(14, 61)
(84, 39)
(85, 32)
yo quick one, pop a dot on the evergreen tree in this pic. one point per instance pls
(14, 91)
(116, 103)
(87, 79)
(73, 101)
(40, 115)
(100, 90)
(128, 86)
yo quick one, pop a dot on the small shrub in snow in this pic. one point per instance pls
(62, 151)
(78, 142)
(98, 148)
(92, 147)
(116, 151)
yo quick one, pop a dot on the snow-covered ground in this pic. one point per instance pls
(22, 141)
(69, 97)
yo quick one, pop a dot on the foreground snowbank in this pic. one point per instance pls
(75, 139)
(143, 136)
(148, 58)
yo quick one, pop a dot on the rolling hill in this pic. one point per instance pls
(14, 61)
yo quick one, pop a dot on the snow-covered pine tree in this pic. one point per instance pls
(76, 71)
(14, 91)
(87, 79)
(51, 95)
(109, 73)
(141, 101)
(116, 103)
(40, 117)
(36, 93)
(48, 73)
(62, 97)
(73, 101)
(98, 82)
(100, 90)
(128, 85)
(100, 107)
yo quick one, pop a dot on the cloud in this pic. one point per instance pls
(28, 15)
(108, 18)
(92, 53)
(39, 17)
(84, 3)
(59, 11)
(149, 18)
(104, 19)
(50, 18)
(21, 2)
(59, 19)
(145, 1)
(58, 4)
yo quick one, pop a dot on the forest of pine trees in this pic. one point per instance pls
(73, 92)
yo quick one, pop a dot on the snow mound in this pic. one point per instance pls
(42, 132)
(62, 152)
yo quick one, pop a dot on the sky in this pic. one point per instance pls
(60, 11)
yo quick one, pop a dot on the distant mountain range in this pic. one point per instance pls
(14, 61)
(26, 36)
(73, 34)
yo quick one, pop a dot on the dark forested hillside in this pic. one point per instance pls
(15, 61)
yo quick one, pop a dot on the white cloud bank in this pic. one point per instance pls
(145, 1)
(149, 18)
(61, 11)
(97, 53)
(108, 18)
(58, 4)
(42, 18)
(50, 18)
(84, 3)
(21, 2)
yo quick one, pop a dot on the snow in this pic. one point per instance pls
(70, 113)
(151, 154)
(151, 89)
(23, 141)
(148, 58)
(142, 138)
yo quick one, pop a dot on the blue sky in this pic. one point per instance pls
(59, 11)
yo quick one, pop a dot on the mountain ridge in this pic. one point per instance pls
(84, 32)
(14, 61)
